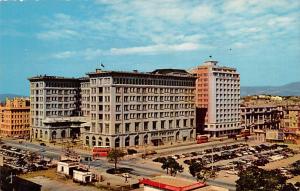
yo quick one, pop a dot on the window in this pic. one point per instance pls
(107, 128)
(127, 127)
(154, 125)
(177, 123)
(170, 124)
(185, 122)
(146, 126)
(117, 128)
(162, 124)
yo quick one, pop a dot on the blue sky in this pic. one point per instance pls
(261, 38)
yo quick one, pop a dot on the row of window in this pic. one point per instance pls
(147, 115)
(146, 107)
(155, 90)
(147, 81)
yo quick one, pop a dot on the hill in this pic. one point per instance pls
(292, 89)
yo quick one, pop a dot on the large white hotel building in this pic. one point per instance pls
(116, 109)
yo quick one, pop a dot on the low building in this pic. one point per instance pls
(14, 118)
(291, 117)
(274, 135)
(67, 167)
(258, 117)
(82, 175)
(170, 183)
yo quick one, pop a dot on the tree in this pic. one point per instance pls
(296, 168)
(115, 155)
(201, 171)
(172, 166)
(5, 177)
(254, 178)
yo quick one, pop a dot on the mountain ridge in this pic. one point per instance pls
(290, 89)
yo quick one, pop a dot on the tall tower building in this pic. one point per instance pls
(217, 99)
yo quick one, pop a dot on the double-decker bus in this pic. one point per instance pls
(202, 139)
(245, 132)
(100, 151)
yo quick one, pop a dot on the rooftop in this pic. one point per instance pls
(46, 77)
(82, 170)
(159, 72)
(172, 183)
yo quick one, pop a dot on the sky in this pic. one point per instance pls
(261, 38)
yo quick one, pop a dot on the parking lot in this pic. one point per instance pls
(227, 159)
(24, 161)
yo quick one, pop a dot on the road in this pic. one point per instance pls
(139, 167)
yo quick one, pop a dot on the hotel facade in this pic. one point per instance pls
(115, 109)
(217, 99)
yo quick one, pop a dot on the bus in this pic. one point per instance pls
(202, 139)
(100, 151)
(245, 132)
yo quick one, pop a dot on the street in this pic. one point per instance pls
(139, 166)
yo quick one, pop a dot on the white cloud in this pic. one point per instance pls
(89, 54)
(201, 13)
(173, 25)
(155, 49)
(64, 55)
(58, 34)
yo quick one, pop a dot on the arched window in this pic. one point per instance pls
(177, 136)
(53, 135)
(146, 139)
(107, 142)
(136, 140)
(127, 141)
(100, 141)
(117, 142)
(63, 134)
(93, 141)
(87, 140)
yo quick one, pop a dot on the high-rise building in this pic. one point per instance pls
(14, 118)
(55, 107)
(115, 109)
(217, 99)
(132, 108)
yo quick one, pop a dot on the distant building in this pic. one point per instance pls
(261, 117)
(217, 99)
(291, 117)
(14, 118)
(291, 123)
